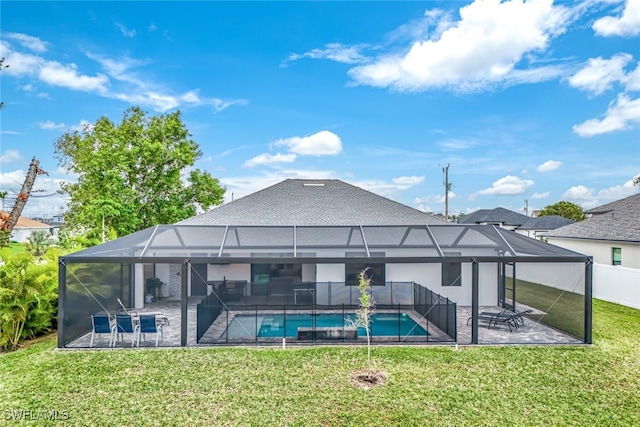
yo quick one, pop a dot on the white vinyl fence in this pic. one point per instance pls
(617, 284)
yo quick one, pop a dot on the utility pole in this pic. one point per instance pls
(526, 207)
(447, 187)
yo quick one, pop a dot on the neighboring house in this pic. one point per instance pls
(503, 218)
(25, 226)
(509, 220)
(268, 266)
(611, 233)
(538, 226)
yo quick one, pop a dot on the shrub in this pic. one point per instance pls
(28, 297)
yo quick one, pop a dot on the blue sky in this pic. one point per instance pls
(525, 100)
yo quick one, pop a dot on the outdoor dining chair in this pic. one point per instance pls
(101, 324)
(125, 325)
(149, 325)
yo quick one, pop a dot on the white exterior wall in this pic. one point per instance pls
(138, 280)
(21, 234)
(430, 276)
(617, 284)
(229, 272)
(559, 275)
(327, 273)
(601, 250)
(308, 272)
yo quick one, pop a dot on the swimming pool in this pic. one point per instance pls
(273, 326)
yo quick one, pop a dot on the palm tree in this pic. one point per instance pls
(38, 242)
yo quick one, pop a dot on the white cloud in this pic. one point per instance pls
(457, 144)
(20, 63)
(598, 75)
(267, 159)
(536, 196)
(508, 185)
(588, 198)
(323, 143)
(57, 74)
(84, 124)
(51, 125)
(623, 113)
(479, 51)
(334, 52)
(10, 156)
(408, 181)
(9, 132)
(434, 198)
(625, 25)
(30, 42)
(618, 191)
(126, 31)
(220, 104)
(632, 80)
(118, 81)
(549, 165)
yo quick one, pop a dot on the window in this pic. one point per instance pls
(375, 272)
(616, 256)
(451, 274)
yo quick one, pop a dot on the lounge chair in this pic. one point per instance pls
(149, 325)
(124, 325)
(101, 324)
(505, 316)
(519, 314)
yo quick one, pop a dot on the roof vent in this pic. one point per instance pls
(313, 184)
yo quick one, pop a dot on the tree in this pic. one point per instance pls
(135, 174)
(38, 242)
(565, 209)
(636, 180)
(368, 377)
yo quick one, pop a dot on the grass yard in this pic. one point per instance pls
(17, 248)
(506, 386)
(564, 310)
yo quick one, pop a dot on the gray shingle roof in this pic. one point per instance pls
(497, 215)
(546, 222)
(313, 202)
(618, 221)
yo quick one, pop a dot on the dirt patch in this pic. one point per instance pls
(367, 379)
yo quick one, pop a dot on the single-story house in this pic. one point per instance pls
(611, 233)
(521, 224)
(25, 226)
(281, 266)
(538, 226)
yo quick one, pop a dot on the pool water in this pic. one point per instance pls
(383, 324)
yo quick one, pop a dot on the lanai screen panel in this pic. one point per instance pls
(469, 240)
(272, 239)
(400, 240)
(313, 238)
(127, 246)
(525, 246)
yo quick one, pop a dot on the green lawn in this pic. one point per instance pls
(16, 248)
(506, 386)
(564, 310)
